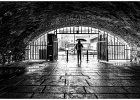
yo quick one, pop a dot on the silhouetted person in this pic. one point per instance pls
(79, 47)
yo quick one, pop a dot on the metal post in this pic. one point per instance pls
(74, 43)
(87, 55)
(67, 55)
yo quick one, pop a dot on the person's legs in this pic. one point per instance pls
(80, 55)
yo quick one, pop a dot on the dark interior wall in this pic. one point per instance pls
(20, 22)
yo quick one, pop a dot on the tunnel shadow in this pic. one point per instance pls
(15, 69)
(7, 72)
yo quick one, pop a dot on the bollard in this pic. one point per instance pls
(67, 55)
(87, 55)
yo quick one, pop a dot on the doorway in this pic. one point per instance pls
(67, 45)
(105, 45)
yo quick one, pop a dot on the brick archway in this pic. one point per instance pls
(106, 41)
(85, 20)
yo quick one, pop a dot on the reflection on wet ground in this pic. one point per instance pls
(70, 80)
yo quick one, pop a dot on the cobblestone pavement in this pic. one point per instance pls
(68, 80)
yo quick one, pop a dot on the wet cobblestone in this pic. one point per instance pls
(69, 80)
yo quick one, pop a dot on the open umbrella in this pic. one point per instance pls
(81, 40)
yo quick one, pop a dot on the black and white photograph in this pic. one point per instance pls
(69, 49)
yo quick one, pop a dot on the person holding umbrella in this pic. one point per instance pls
(79, 47)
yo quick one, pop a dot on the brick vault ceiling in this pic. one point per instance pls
(20, 22)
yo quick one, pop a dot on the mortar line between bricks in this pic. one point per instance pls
(43, 89)
(43, 81)
(72, 86)
(127, 96)
(3, 88)
(12, 77)
(72, 93)
(88, 76)
(96, 96)
(32, 95)
(124, 88)
(19, 82)
(85, 89)
(3, 93)
(51, 71)
(98, 73)
(68, 75)
(87, 82)
(82, 74)
(41, 77)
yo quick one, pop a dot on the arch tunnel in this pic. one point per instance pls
(107, 46)
(35, 35)
(23, 23)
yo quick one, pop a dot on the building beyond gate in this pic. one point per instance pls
(109, 46)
